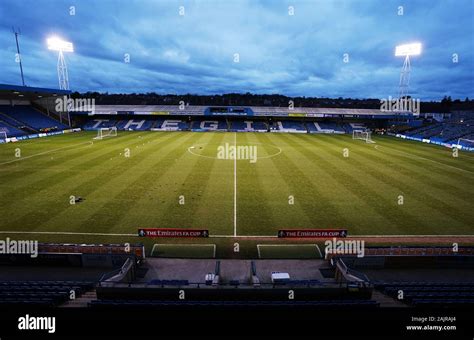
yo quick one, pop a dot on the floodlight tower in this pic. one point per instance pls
(406, 51)
(57, 44)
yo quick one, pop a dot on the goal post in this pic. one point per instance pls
(365, 135)
(106, 132)
(466, 144)
(3, 136)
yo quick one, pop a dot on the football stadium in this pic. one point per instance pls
(171, 203)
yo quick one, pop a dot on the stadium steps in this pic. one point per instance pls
(82, 301)
(385, 300)
(51, 114)
(464, 135)
(153, 125)
(19, 125)
(8, 125)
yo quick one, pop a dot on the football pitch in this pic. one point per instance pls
(180, 180)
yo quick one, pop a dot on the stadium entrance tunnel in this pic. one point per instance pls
(251, 152)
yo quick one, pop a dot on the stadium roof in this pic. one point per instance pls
(28, 93)
(257, 110)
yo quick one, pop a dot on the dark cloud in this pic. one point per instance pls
(300, 55)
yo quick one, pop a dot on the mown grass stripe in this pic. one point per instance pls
(121, 190)
(254, 203)
(83, 185)
(410, 191)
(84, 160)
(318, 208)
(367, 191)
(195, 185)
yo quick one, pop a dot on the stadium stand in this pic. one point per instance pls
(355, 303)
(349, 127)
(454, 293)
(248, 125)
(170, 125)
(10, 130)
(289, 126)
(134, 124)
(430, 293)
(30, 117)
(211, 124)
(11, 121)
(40, 293)
(448, 131)
(141, 123)
(324, 127)
(100, 123)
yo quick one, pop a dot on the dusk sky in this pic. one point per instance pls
(295, 55)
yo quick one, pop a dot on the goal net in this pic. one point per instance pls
(363, 135)
(3, 136)
(463, 143)
(106, 132)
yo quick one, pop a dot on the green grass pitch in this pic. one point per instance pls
(360, 192)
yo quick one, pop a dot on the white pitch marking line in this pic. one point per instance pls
(44, 152)
(319, 251)
(235, 186)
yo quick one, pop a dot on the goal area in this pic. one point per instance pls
(106, 132)
(362, 135)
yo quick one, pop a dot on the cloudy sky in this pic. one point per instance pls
(142, 46)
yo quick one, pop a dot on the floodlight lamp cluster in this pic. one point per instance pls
(57, 44)
(408, 50)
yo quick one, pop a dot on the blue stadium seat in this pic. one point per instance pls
(208, 124)
(10, 130)
(31, 117)
(241, 125)
(290, 126)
